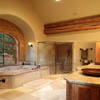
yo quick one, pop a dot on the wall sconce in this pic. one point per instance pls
(30, 44)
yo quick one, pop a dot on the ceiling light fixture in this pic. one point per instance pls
(57, 0)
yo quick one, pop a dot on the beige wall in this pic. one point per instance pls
(81, 39)
(24, 10)
(21, 13)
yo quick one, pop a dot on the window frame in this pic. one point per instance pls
(9, 43)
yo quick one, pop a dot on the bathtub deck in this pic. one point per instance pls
(16, 78)
(50, 88)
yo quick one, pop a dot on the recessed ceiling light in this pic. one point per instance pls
(57, 0)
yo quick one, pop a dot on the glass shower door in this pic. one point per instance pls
(46, 55)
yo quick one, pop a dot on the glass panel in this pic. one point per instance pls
(7, 50)
(1, 49)
(1, 37)
(9, 39)
(47, 52)
(9, 54)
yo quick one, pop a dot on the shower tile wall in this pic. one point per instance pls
(57, 57)
(64, 58)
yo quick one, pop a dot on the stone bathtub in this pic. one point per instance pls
(15, 76)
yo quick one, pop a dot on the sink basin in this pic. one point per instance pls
(91, 71)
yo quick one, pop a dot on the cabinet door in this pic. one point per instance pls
(82, 92)
(88, 92)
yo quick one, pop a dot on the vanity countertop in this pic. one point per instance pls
(78, 78)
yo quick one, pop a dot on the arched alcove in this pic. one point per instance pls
(26, 35)
(23, 25)
(9, 28)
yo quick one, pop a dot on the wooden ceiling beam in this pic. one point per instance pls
(81, 24)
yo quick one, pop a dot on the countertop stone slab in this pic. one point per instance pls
(78, 78)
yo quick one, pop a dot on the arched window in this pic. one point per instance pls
(8, 50)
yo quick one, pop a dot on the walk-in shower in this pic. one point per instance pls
(57, 55)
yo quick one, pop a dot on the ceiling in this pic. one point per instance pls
(51, 11)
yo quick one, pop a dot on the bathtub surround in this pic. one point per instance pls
(16, 76)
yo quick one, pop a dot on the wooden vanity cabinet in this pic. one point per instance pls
(82, 92)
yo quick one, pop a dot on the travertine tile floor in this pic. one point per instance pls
(51, 88)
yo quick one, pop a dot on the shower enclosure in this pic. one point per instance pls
(56, 55)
